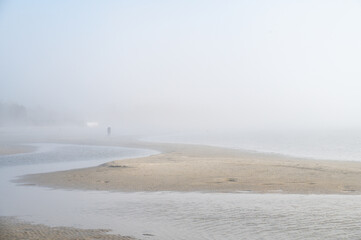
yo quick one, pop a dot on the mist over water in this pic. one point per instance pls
(344, 145)
(170, 67)
(270, 76)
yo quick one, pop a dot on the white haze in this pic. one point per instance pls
(165, 66)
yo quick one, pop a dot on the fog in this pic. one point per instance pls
(173, 66)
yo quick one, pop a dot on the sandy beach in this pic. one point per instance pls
(183, 167)
(11, 228)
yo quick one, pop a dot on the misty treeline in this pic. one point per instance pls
(14, 114)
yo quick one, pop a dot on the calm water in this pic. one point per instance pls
(169, 215)
(333, 145)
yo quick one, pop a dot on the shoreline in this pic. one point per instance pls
(12, 228)
(15, 149)
(198, 168)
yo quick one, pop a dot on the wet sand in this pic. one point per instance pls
(10, 228)
(15, 149)
(210, 169)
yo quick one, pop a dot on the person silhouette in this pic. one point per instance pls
(109, 131)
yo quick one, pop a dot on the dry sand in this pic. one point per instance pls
(212, 169)
(12, 229)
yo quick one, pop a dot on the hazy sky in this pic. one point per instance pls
(186, 64)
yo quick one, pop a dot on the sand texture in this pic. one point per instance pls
(12, 229)
(211, 169)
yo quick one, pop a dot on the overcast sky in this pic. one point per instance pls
(186, 64)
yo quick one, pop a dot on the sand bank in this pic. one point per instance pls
(211, 169)
(15, 149)
(10, 228)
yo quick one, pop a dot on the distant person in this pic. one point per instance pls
(109, 131)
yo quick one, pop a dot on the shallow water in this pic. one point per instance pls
(330, 145)
(170, 215)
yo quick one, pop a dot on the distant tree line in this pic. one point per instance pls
(12, 114)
